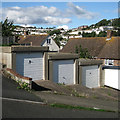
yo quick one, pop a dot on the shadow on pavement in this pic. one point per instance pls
(38, 87)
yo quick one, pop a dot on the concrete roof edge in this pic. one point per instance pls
(29, 48)
(63, 56)
(90, 62)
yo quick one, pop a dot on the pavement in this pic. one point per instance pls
(18, 103)
(62, 94)
(50, 98)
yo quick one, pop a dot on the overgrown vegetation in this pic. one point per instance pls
(23, 85)
(83, 52)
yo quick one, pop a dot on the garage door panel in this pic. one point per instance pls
(63, 71)
(112, 78)
(90, 76)
(30, 65)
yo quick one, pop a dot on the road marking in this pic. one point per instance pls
(19, 100)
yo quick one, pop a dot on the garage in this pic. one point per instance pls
(27, 61)
(112, 76)
(90, 76)
(89, 73)
(62, 68)
(64, 71)
(30, 65)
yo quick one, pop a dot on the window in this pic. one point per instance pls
(109, 62)
(48, 41)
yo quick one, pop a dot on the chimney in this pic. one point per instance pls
(109, 34)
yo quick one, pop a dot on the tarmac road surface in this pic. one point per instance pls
(17, 103)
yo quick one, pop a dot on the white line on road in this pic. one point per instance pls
(18, 100)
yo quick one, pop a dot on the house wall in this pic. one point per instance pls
(116, 62)
(52, 46)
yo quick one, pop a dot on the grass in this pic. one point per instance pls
(78, 107)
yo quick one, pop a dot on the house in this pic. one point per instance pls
(39, 40)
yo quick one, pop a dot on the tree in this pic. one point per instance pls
(83, 52)
(7, 28)
(92, 34)
(116, 22)
(58, 39)
(103, 22)
(102, 34)
(57, 32)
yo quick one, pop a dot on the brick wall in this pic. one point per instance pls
(117, 62)
(17, 77)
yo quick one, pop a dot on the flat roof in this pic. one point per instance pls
(24, 49)
(63, 56)
(90, 62)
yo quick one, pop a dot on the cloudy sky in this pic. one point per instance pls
(49, 14)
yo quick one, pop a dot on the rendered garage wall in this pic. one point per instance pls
(6, 56)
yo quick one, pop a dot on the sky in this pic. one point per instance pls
(57, 14)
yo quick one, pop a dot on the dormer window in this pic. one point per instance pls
(48, 41)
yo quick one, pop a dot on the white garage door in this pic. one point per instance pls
(30, 65)
(64, 71)
(112, 78)
(90, 76)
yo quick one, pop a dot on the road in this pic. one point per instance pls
(17, 103)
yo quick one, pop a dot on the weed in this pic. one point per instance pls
(76, 94)
(61, 83)
(23, 85)
(109, 94)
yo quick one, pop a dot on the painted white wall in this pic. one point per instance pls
(74, 32)
(52, 46)
(112, 78)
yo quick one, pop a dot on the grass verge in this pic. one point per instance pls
(78, 107)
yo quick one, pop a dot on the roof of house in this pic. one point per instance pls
(111, 49)
(93, 45)
(97, 46)
(36, 40)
